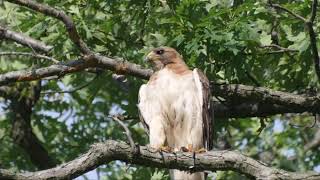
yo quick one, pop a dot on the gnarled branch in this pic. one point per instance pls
(108, 151)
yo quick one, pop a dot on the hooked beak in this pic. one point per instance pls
(148, 58)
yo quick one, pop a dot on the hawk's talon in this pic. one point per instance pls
(189, 148)
(202, 150)
(166, 149)
(184, 149)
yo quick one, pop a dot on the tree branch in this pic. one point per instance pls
(314, 48)
(313, 11)
(60, 15)
(128, 134)
(279, 7)
(280, 49)
(108, 151)
(118, 66)
(309, 23)
(246, 101)
(24, 40)
(238, 92)
(240, 99)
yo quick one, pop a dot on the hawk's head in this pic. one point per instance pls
(163, 56)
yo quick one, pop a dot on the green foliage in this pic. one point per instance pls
(224, 38)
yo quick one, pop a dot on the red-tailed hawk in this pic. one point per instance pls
(175, 108)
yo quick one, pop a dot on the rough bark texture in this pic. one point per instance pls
(246, 101)
(103, 153)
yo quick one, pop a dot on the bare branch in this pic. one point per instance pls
(249, 101)
(29, 54)
(277, 6)
(108, 151)
(118, 66)
(24, 40)
(60, 15)
(280, 48)
(128, 133)
(237, 92)
(53, 70)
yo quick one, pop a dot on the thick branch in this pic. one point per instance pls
(249, 109)
(246, 101)
(103, 153)
(24, 40)
(53, 70)
(75, 66)
(60, 15)
(240, 99)
(238, 92)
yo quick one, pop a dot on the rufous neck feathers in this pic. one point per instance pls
(178, 66)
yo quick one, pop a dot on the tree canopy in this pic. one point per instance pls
(71, 71)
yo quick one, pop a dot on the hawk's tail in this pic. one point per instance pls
(184, 175)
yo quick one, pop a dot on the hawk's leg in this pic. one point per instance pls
(158, 136)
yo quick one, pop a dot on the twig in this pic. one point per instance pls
(262, 125)
(128, 133)
(277, 6)
(73, 90)
(29, 54)
(280, 48)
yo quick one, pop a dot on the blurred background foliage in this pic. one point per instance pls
(232, 41)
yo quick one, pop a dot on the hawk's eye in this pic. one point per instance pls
(160, 51)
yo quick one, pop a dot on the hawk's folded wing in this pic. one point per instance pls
(207, 107)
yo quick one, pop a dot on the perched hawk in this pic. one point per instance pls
(174, 107)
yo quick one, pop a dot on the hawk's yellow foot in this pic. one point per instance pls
(165, 149)
(202, 150)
